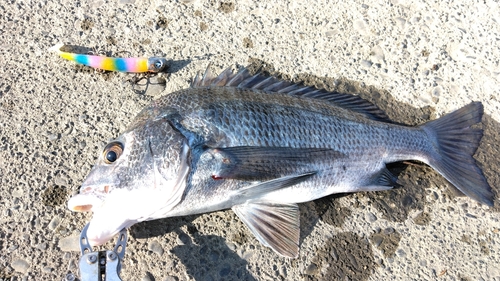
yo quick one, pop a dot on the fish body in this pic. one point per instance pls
(259, 146)
(133, 65)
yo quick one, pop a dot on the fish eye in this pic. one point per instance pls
(112, 152)
(158, 64)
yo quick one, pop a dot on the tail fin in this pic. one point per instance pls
(456, 142)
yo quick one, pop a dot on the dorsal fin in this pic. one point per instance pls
(270, 84)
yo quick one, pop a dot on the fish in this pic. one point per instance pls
(260, 145)
(132, 65)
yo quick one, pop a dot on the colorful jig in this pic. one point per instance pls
(134, 65)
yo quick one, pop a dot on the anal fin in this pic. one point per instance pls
(383, 180)
(275, 225)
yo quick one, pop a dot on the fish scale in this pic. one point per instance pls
(259, 146)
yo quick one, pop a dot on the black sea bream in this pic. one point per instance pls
(259, 146)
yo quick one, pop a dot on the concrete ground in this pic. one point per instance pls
(417, 60)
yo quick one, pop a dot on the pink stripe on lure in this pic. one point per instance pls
(134, 65)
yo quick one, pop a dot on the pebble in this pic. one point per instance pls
(470, 216)
(54, 223)
(52, 137)
(334, 255)
(247, 255)
(389, 230)
(20, 265)
(366, 63)
(13, 247)
(231, 246)
(61, 181)
(170, 278)
(371, 217)
(156, 247)
(401, 253)
(42, 246)
(377, 239)
(312, 269)
(70, 243)
(82, 144)
(400, 22)
(377, 54)
(183, 239)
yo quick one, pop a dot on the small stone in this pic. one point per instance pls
(61, 181)
(183, 239)
(377, 239)
(47, 269)
(470, 216)
(371, 217)
(20, 265)
(13, 247)
(366, 63)
(54, 223)
(82, 144)
(52, 137)
(312, 269)
(334, 255)
(401, 253)
(171, 278)
(70, 243)
(42, 246)
(389, 230)
(82, 117)
(155, 247)
(231, 246)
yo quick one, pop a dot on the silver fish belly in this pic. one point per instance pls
(259, 146)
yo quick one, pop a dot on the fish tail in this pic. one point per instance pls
(455, 143)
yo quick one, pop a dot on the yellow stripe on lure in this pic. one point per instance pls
(134, 65)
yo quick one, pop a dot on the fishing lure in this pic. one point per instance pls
(133, 65)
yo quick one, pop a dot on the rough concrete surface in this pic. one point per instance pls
(417, 60)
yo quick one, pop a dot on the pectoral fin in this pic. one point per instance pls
(265, 163)
(275, 225)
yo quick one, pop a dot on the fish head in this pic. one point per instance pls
(139, 176)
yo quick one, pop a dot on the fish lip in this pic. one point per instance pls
(84, 202)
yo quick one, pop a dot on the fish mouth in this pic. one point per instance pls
(84, 202)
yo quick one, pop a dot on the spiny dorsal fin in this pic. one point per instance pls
(243, 79)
